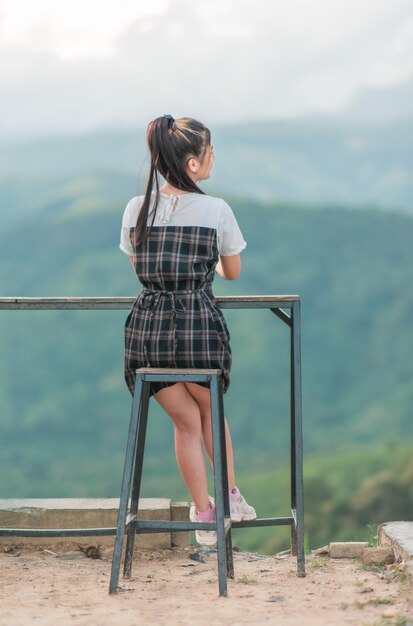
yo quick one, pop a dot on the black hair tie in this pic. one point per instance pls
(171, 121)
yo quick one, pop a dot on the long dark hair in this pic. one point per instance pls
(171, 144)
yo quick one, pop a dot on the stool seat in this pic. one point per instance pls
(177, 371)
(129, 522)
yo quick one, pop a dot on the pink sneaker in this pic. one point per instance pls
(204, 537)
(240, 510)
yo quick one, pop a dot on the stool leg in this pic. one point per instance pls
(126, 480)
(218, 483)
(227, 509)
(136, 485)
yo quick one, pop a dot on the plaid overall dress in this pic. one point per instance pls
(174, 321)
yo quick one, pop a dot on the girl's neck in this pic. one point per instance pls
(169, 190)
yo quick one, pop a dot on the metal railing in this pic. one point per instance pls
(287, 308)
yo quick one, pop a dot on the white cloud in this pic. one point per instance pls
(70, 29)
(89, 65)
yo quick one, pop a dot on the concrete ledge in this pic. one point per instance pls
(399, 536)
(180, 513)
(89, 513)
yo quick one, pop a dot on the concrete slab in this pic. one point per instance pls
(399, 535)
(82, 513)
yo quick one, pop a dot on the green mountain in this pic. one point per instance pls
(64, 405)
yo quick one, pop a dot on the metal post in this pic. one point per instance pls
(292, 439)
(297, 496)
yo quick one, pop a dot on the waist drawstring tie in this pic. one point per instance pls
(149, 299)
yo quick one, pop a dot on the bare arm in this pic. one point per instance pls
(229, 267)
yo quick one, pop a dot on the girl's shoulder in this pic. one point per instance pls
(213, 205)
(131, 211)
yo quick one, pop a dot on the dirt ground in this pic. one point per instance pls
(174, 587)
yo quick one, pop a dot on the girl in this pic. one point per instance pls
(177, 237)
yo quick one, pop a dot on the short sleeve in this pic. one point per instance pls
(130, 215)
(230, 239)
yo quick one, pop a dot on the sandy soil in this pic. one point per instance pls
(170, 587)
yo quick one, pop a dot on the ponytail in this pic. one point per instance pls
(171, 143)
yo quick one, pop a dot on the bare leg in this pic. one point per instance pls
(202, 397)
(184, 412)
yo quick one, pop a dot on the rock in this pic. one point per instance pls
(92, 552)
(377, 555)
(125, 587)
(195, 556)
(347, 549)
(72, 555)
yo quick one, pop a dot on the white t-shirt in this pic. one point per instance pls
(192, 209)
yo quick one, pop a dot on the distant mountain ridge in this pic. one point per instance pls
(361, 156)
(382, 105)
(325, 162)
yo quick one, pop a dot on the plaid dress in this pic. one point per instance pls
(174, 321)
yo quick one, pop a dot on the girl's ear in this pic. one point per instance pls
(193, 165)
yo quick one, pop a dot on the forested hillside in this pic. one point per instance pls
(64, 405)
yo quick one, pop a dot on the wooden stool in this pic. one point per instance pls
(134, 462)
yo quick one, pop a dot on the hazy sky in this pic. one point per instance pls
(82, 64)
